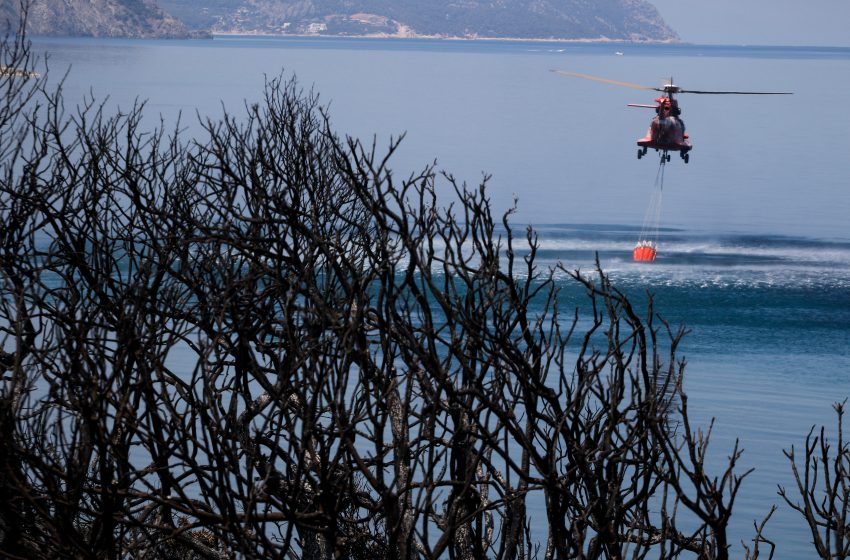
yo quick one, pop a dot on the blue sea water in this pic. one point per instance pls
(754, 253)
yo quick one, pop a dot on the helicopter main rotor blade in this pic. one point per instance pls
(737, 92)
(605, 80)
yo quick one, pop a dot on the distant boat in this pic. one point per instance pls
(618, 53)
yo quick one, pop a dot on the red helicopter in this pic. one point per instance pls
(667, 130)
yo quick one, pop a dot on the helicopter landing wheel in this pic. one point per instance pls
(686, 156)
(668, 157)
(640, 153)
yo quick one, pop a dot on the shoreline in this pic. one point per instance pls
(454, 38)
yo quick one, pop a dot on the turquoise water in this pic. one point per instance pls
(754, 256)
(768, 348)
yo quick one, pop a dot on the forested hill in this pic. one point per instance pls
(95, 18)
(629, 20)
(527, 19)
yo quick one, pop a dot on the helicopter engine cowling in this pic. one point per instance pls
(669, 129)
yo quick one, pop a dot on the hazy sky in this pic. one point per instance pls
(759, 22)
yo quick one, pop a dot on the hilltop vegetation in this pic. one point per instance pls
(528, 19)
(625, 20)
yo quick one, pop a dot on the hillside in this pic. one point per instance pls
(625, 20)
(96, 18)
(630, 20)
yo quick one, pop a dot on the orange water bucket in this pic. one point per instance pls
(644, 253)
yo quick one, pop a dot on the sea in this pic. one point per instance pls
(754, 240)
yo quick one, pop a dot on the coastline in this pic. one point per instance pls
(458, 38)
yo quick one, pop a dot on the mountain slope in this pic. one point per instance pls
(634, 20)
(95, 18)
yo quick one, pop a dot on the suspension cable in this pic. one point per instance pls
(650, 230)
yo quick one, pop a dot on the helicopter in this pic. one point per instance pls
(666, 132)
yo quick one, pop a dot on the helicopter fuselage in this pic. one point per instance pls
(666, 132)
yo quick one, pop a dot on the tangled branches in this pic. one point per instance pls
(263, 344)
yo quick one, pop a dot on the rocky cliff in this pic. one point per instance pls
(96, 18)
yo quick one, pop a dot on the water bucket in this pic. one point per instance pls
(644, 253)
